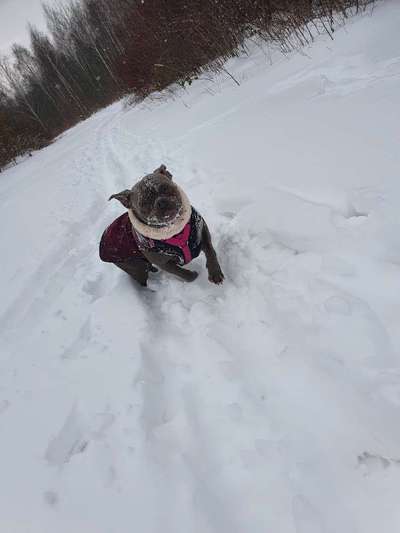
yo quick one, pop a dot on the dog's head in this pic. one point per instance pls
(155, 200)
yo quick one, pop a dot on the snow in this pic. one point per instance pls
(268, 404)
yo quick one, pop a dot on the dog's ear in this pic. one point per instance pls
(123, 197)
(163, 170)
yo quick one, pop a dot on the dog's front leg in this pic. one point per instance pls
(169, 266)
(215, 274)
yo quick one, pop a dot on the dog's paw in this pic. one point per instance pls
(191, 275)
(216, 276)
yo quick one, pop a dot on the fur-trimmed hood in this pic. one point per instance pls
(162, 233)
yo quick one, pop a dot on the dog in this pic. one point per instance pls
(160, 229)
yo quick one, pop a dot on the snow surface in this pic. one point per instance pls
(270, 404)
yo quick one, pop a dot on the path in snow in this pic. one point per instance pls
(268, 404)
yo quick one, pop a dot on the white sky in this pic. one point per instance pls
(14, 17)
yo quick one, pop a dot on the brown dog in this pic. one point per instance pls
(160, 228)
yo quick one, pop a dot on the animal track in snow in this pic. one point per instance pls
(75, 435)
(4, 405)
(372, 463)
(344, 76)
(51, 498)
(94, 287)
(70, 440)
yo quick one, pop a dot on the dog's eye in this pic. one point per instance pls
(144, 205)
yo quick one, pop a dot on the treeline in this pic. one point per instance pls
(96, 51)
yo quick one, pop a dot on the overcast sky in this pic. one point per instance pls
(14, 17)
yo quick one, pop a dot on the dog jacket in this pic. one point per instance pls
(120, 241)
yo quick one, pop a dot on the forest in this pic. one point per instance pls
(96, 52)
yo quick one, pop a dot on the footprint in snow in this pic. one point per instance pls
(75, 434)
(4, 405)
(94, 288)
(70, 440)
(51, 498)
(372, 463)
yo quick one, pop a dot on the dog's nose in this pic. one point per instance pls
(163, 203)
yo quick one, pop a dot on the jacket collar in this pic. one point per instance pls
(164, 232)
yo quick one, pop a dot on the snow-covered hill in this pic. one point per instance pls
(270, 404)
